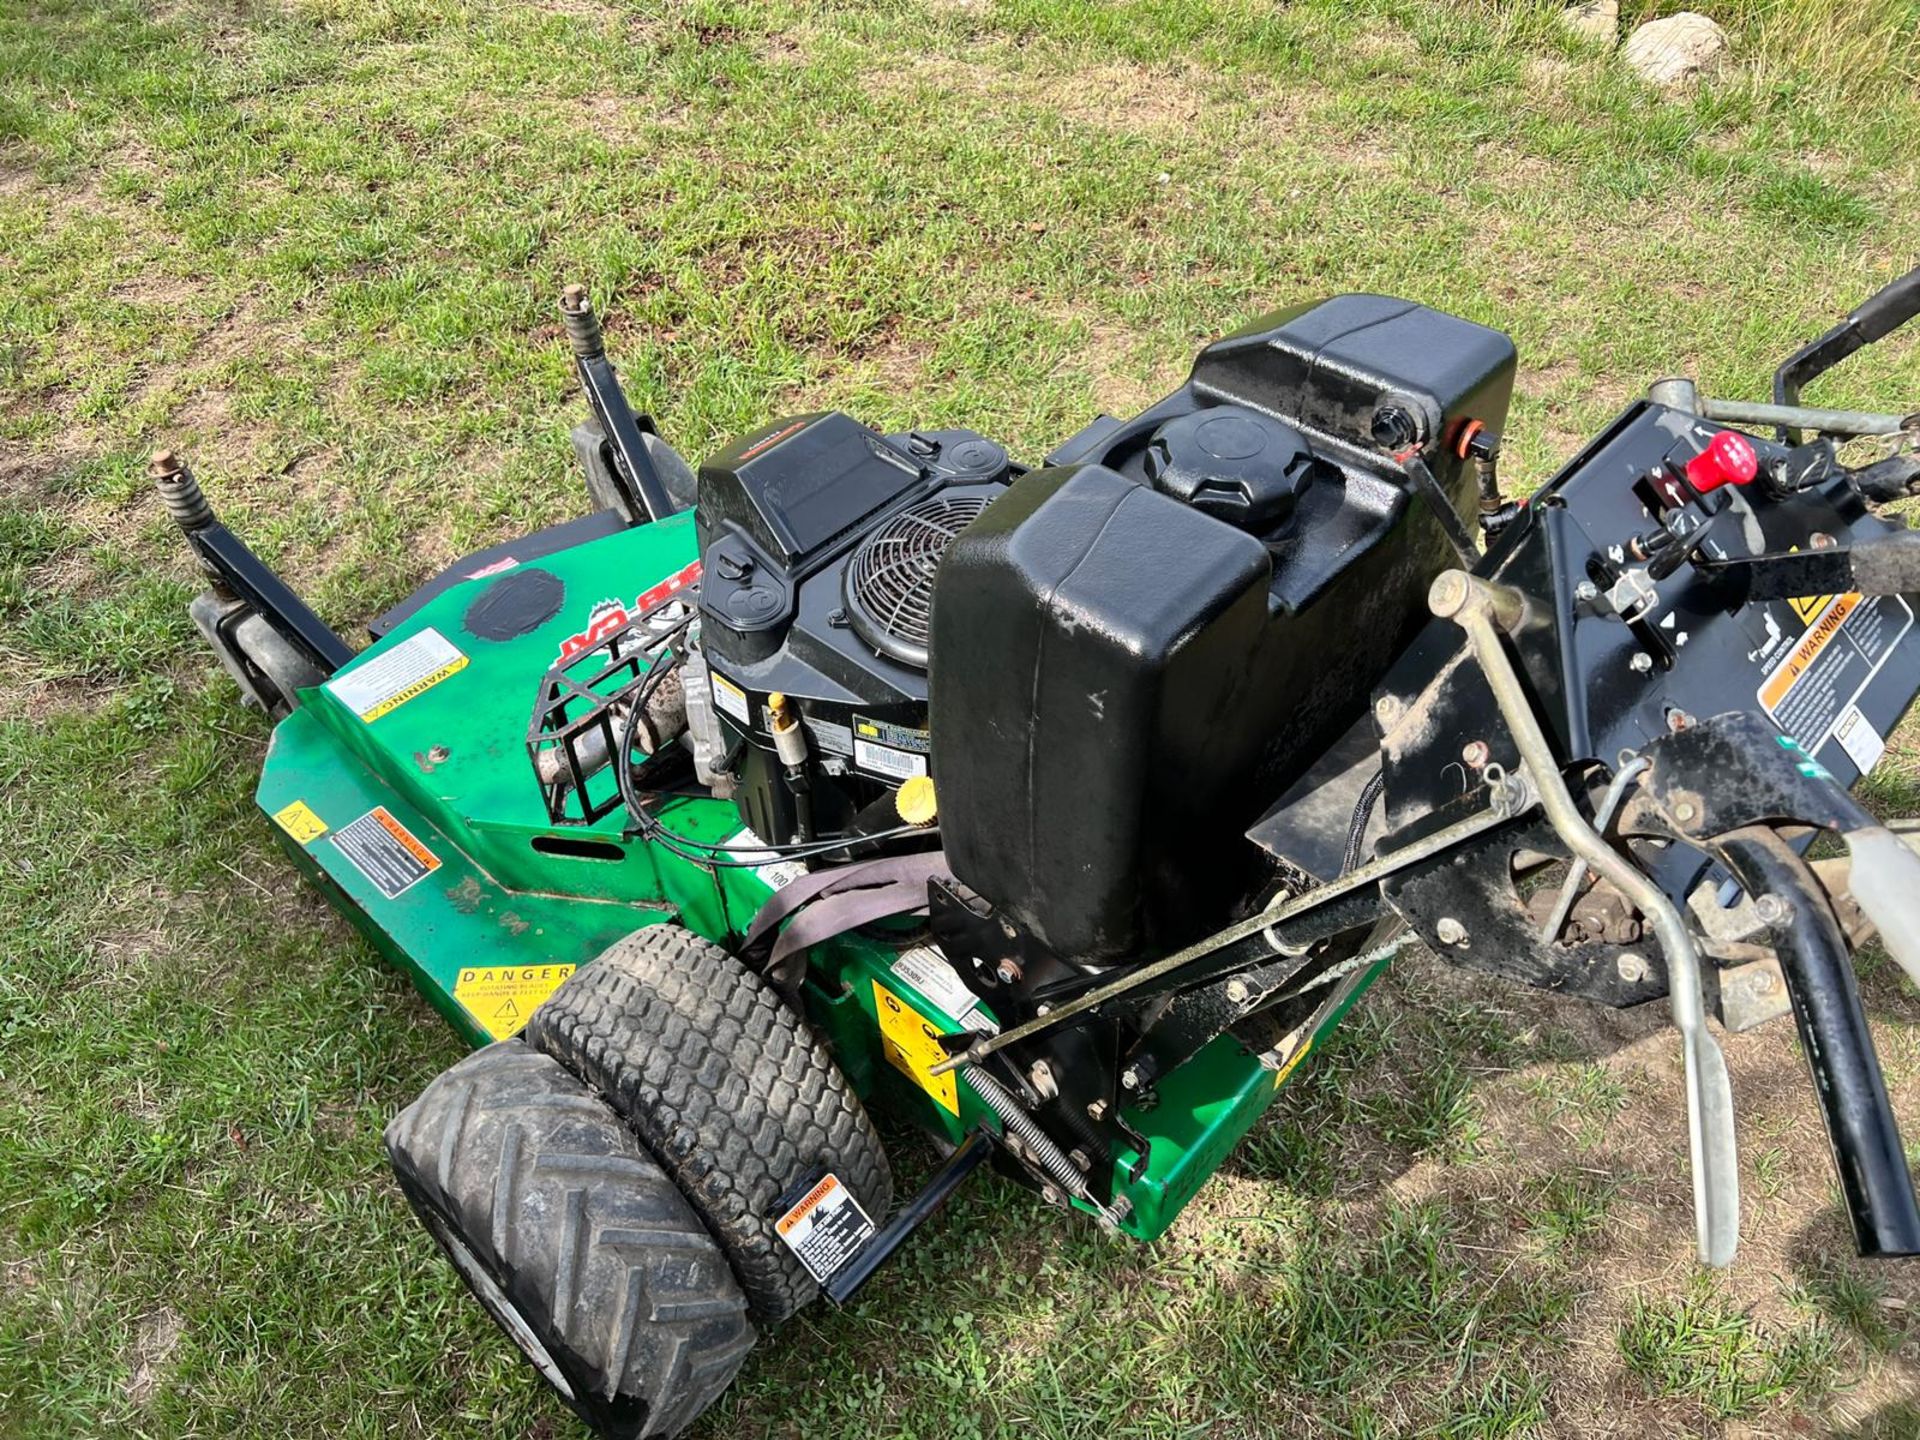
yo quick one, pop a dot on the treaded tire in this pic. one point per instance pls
(725, 1085)
(567, 1232)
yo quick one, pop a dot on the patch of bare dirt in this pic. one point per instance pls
(1112, 96)
(155, 1337)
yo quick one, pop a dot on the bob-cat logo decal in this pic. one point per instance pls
(610, 615)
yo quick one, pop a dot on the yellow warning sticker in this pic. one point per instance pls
(1292, 1062)
(382, 684)
(299, 821)
(913, 1046)
(501, 997)
(1788, 673)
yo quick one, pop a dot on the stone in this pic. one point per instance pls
(1594, 19)
(1674, 53)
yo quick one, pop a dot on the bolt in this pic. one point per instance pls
(573, 299)
(1586, 592)
(1632, 967)
(1237, 991)
(1820, 540)
(1096, 1109)
(438, 754)
(1387, 711)
(1448, 594)
(1678, 720)
(1008, 971)
(1040, 1076)
(1006, 929)
(1450, 931)
(1043, 1009)
(1641, 662)
(1080, 1159)
(1683, 811)
(1773, 910)
(1051, 1194)
(1475, 753)
(1129, 1079)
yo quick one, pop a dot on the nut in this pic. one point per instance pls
(1008, 972)
(1586, 592)
(1475, 753)
(1632, 968)
(1450, 931)
(1096, 1109)
(1237, 991)
(1773, 910)
(1684, 811)
(1641, 662)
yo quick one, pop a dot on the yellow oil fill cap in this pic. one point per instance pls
(915, 802)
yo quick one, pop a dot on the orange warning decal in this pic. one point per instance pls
(1819, 635)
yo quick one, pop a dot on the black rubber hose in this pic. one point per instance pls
(1867, 1152)
(1362, 817)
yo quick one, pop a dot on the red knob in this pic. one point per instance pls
(1727, 460)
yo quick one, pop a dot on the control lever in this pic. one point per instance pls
(1483, 610)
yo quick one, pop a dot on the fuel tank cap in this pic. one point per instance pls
(1233, 463)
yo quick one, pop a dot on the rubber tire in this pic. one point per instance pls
(575, 1242)
(725, 1085)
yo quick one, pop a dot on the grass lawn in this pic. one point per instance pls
(315, 245)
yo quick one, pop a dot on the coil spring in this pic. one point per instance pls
(180, 492)
(1021, 1126)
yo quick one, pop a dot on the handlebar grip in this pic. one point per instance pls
(1884, 876)
(1887, 309)
(1867, 1152)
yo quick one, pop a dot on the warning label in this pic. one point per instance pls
(299, 821)
(393, 677)
(826, 1229)
(386, 852)
(501, 997)
(1810, 690)
(913, 1046)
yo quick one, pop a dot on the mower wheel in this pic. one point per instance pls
(567, 1232)
(727, 1087)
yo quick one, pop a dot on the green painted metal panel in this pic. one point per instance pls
(448, 764)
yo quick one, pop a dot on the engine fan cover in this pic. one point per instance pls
(888, 582)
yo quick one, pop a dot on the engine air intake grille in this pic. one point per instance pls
(889, 580)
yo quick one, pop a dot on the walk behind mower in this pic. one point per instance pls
(1061, 810)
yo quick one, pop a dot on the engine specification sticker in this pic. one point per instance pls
(896, 765)
(913, 1047)
(501, 997)
(1814, 686)
(897, 737)
(386, 682)
(386, 852)
(826, 1229)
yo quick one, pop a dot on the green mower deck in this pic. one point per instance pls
(393, 789)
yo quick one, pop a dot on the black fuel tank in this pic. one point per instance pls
(1135, 652)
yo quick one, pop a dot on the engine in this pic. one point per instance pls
(1110, 666)
(819, 542)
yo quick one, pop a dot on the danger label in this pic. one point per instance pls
(501, 997)
(386, 852)
(912, 1046)
(826, 1229)
(1814, 686)
(390, 679)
